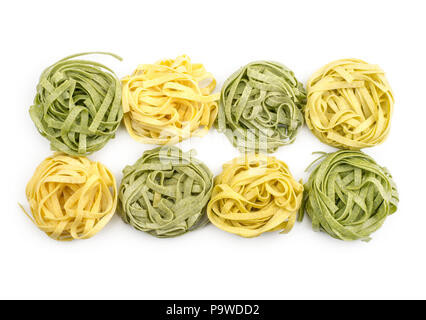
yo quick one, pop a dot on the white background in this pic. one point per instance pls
(121, 262)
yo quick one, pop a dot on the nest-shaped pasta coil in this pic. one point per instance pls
(261, 107)
(169, 101)
(349, 196)
(255, 194)
(78, 105)
(165, 192)
(350, 104)
(71, 197)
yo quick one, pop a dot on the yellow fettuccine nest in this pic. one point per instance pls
(71, 197)
(255, 194)
(165, 103)
(350, 104)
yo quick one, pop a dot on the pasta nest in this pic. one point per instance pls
(165, 192)
(261, 107)
(349, 196)
(71, 197)
(169, 101)
(78, 105)
(350, 104)
(255, 194)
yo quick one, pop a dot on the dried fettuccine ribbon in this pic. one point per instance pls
(350, 104)
(349, 195)
(78, 105)
(261, 107)
(165, 192)
(166, 102)
(71, 197)
(255, 194)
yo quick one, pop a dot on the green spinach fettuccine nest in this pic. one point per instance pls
(349, 196)
(165, 193)
(261, 107)
(78, 105)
